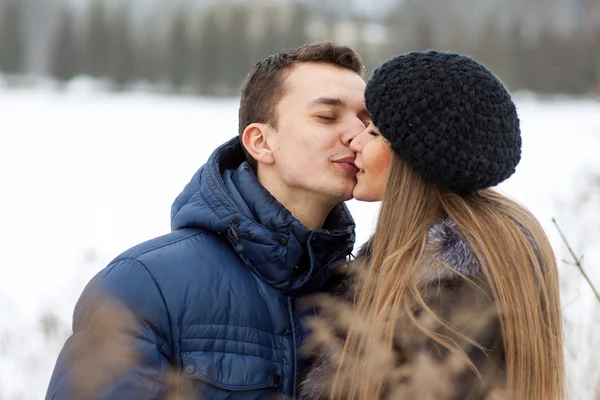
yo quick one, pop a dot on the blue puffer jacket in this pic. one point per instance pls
(215, 297)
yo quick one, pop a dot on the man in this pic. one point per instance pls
(259, 225)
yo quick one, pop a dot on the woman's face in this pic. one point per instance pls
(373, 157)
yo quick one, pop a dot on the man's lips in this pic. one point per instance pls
(348, 164)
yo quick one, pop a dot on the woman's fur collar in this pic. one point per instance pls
(445, 247)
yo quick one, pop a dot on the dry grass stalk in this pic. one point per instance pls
(179, 387)
(576, 261)
(105, 351)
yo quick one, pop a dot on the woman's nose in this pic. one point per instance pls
(356, 142)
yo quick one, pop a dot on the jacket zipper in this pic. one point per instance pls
(295, 365)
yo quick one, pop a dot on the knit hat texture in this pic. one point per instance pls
(448, 116)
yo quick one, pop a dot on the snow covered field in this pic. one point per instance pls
(85, 175)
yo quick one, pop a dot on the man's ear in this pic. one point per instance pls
(254, 139)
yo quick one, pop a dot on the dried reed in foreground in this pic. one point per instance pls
(417, 366)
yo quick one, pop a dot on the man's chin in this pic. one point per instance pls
(343, 197)
(341, 193)
(349, 195)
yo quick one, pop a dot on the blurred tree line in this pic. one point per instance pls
(208, 50)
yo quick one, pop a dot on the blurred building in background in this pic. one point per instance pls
(206, 47)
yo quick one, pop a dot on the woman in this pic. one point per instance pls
(456, 295)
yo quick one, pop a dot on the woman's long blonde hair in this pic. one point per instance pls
(521, 272)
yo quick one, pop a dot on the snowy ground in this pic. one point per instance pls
(85, 175)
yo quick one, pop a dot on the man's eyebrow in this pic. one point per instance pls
(328, 101)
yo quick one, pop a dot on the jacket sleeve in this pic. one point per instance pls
(118, 348)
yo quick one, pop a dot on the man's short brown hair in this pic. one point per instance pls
(263, 87)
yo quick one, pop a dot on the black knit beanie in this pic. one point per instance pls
(447, 116)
